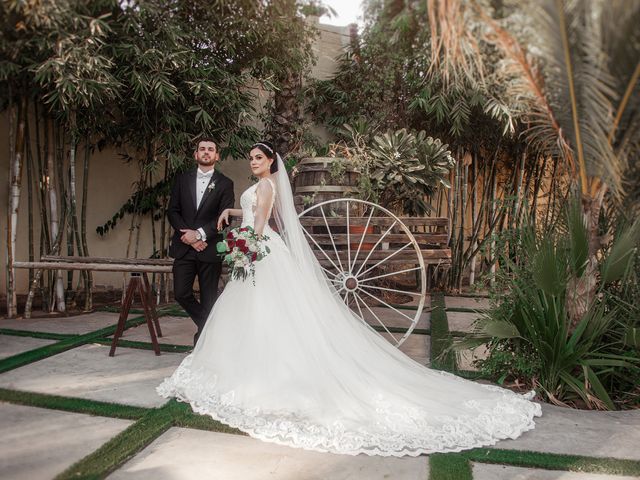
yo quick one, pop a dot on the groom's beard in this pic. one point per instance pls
(206, 161)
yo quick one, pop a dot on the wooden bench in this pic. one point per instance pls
(431, 235)
(138, 268)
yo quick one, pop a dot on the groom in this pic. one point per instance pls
(198, 197)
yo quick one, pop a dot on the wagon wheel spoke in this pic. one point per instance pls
(391, 290)
(387, 258)
(366, 279)
(364, 233)
(324, 217)
(387, 305)
(374, 247)
(377, 318)
(320, 248)
(355, 273)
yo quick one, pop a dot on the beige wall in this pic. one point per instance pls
(111, 184)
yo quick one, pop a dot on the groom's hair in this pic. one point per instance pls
(205, 138)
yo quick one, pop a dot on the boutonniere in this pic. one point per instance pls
(211, 186)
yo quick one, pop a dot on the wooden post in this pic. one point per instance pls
(137, 284)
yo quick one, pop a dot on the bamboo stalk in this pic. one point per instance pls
(474, 217)
(30, 203)
(88, 299)
(59, 300)
(15, 178)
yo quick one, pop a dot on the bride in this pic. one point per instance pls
(287, 362)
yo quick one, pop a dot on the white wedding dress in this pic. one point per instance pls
(287, 365)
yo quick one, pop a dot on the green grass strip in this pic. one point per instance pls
(123, 446)
(75, 405)
(46, 351)
(188, 419)
(449, 466)
(147, 345)
(116, 309)
(440, 336)
(28, 333)
(554, 461)
(417, 331)
(131, 441)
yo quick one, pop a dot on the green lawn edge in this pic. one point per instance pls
(71, 404)
(440, 336)
(31, 356)
(554, 461)
(449, 466)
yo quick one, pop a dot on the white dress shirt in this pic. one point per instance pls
(202, 180)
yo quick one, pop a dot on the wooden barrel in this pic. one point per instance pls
(319, 179)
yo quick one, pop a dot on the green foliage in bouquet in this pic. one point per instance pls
(241, 249)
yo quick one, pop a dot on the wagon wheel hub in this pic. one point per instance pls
(351, 283)
(365, 273)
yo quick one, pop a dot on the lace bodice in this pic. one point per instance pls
(249, 201)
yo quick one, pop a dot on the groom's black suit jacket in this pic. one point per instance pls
(183, 212)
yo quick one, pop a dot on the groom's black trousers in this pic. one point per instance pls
(185, 270)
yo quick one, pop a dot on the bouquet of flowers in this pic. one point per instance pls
(240, 249)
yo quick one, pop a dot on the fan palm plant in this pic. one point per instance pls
(576, 103)
(572, 84)
(568, 361)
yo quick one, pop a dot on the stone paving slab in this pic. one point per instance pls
(189, 454)
(582, 432)
(466, 302)
(461, 321)
(394, 319)
(88, 372)
(78, 324)
(175, 331)
(12, 345)
(482, 471)
(37, 443)
(415, 346)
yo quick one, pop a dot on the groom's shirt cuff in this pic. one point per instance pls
(204, 235)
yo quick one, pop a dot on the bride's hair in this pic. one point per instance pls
(270, 151)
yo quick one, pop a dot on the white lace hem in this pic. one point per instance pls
(510, 416)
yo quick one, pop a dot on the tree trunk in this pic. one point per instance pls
(287, 114)
(582, 290)
(15, 179)
(88, 298)
(474, 218)
(53, 210)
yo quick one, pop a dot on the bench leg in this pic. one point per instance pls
(151, 303)
(124, 312)
(144, 298)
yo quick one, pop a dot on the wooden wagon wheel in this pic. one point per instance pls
(367, 257)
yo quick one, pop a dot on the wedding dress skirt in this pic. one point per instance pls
(284, 367)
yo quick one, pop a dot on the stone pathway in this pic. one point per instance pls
(41, 442)
(38, 443)
(187, 453)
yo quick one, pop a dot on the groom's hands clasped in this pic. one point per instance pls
(189, 237)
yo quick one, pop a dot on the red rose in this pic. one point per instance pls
(254, 256)
(229, 235)
(240, 243)
(231, 244)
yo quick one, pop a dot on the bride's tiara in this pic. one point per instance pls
(265, 146)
